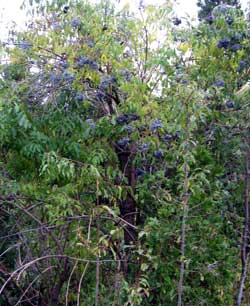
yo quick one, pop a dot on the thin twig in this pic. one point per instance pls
(98, 256)
(185, 208)
(27, 265)
(30, 285)
(10, 248)
(80, 284)
(70, 276)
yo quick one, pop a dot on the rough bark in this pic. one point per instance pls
(57, 289)
(128, 205)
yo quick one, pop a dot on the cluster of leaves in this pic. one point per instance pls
(206, 6)
(106, 135)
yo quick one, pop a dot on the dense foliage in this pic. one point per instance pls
(124, 163)
(206, 7)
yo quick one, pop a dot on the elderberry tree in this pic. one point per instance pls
(121, 157)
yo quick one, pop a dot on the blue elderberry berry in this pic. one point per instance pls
(142, 128)
(132, 117)
(242, 66)
(229, 20)
(219, 83)
(143, 147)
(239, 84)
(91, 44)
(93, 65)
(209, 19)
(24, 45)
(177, 135)
(222, 9)
(55, 78)
(236, 47)
(82, 61)
(123, 142)
(158, 153)
(64, 64)
(68, 77)
(105, 82)
(224, 43)
(100, 95)
(91, 123)
(75, 23)
(230, 104)
(167, 137)
(80, 97)
(129, 129)
(139, 172)
(155, 125)
(122, 119)
(66, 9)
(176, 21)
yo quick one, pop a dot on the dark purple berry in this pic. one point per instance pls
(229, 20)
(230, 104)
(82, 61)
(167, 138)
(75, 23)
(123, 142)
(64, 64)
(122, 119)
(66, 9)
(158, 153)
(210, 19)
(219, 83)
(143, 147)
(55, 78)
(25, 45)
(242, 66)
(129, 129)
(142, 128)
(155, 125)
(100, 95)
(224, 43)
(91, 123)
(177, 135)
(93, 65)
(239, 84)
(176, 21)
(68, 77)
(91, 44)
(236, 47)
(80, 97)
(139, 172)
(105, 82)
(222, 8)
(132, 117)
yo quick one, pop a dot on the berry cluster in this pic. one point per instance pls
(83, 61)
(155, 125)
(232, 44)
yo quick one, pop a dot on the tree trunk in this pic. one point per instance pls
(128, 205)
